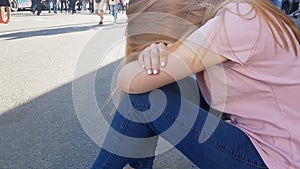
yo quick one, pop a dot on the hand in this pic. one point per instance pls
(154, 57)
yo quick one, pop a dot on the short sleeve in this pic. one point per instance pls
(233, 33)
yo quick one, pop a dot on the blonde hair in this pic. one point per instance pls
(163, 21)
(193, 14)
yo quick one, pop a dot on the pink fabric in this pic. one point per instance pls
(259, 85)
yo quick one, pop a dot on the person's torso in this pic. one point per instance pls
(262, 96)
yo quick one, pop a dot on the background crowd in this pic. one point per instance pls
(73, 6)
(290, 7)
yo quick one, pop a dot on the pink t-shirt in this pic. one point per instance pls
(259, 84)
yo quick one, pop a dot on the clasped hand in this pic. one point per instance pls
(154, 57)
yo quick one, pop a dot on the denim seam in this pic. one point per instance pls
(141, 107)
(122, 130)
(232, 154)
(179, 123)
(170, 118)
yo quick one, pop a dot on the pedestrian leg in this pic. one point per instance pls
(39, 7)
(7, 14)
(1, 14)
(55, 6)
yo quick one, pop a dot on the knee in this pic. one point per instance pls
(138, 101)
(157, 98)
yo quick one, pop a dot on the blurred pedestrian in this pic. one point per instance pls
(79, 5)
(91, 6)
(72, 6)
(122, 6)
(125, 2)
(36, 4)
(107, 7)
(63, 5)
(114, 7)
(99, 10)
(294, 6)
(4, 5)
(290, 6)
(285, 6)
(54, 5)
(69, 6)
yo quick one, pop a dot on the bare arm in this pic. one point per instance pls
(182, 63)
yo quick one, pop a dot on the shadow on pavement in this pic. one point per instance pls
(46, 32)
(50, 27)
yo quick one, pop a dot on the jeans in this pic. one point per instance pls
(114, 10)
(91, 6)
(72, 6)
(178, 113)
(36, 5)
(54, 5)
(63, 3)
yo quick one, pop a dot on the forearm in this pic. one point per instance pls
(133, 79)
(186, 59)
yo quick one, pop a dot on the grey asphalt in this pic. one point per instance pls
(42, 59)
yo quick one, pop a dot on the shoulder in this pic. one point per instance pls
(241, 9)
(233, 33)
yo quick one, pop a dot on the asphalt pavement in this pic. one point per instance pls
(56, 73)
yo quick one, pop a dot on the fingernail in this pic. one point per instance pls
(155, 71)
(162, 64)
(149, 71)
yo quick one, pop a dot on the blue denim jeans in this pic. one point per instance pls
(114, 10)
(54, 5)
(178, 113)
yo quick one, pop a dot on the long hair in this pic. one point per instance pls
(278, 22)
(151, 21)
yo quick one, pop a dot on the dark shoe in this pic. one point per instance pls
(100, 23)
(39, 13)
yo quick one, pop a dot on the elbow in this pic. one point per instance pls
(132, 79)
(123, 84)
(128, 78)
(127, 85)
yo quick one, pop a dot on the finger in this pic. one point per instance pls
(163, 54)
(170, 45)
(167, 52)
(155, 59)
(147, 60)
(141, 60)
